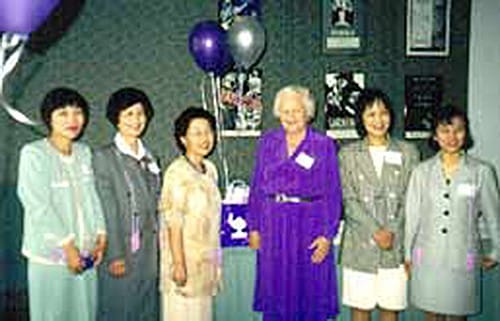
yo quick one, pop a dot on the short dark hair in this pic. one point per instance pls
(183, 121)
(444, 116)
(124, 98)
(366, 99)
(61, 97)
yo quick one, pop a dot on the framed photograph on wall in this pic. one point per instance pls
(241, 102)
(428, 27)
(342, 90)
(423, 94)
(342, 22)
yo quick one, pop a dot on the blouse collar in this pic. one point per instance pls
(124, 148)
(391, 145)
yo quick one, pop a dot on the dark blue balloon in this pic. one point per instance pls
(208, 46)
(24, 16)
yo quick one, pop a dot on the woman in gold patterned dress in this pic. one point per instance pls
(190, 206)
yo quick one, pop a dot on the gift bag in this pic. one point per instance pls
(234, 227)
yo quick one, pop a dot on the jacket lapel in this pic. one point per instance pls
(366, 164)
(389, 171)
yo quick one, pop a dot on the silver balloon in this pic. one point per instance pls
(247, 39)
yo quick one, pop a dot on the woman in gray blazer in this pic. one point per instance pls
(452, 205)
(375, 173)
(127, 179)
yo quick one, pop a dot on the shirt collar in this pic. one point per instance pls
(391, 144)
(124, 148)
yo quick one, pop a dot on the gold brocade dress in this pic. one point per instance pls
(191, 200)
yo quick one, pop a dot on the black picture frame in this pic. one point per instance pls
(423, 94)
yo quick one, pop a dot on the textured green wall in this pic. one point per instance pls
(143, 43)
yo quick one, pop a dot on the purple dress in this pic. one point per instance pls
(287, 282)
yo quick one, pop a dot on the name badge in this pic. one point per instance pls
(59, 184)
(466, 189)
(392, 157)
(86, 169)
(135, 235)
(304, 160)
(153, 168)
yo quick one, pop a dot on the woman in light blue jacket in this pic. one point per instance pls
(447, 198)
(64, 229)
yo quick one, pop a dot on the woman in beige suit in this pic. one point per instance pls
(375, 173)
(190, 206)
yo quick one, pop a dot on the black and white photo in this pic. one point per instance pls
(342, 90)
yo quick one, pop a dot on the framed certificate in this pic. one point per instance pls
(428, 27)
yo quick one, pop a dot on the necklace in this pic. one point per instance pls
(200, 169)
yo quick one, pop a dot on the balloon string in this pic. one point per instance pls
(203, 94)
(225, 165)
(240, 115)
(217, 120)
(7, 64)
(3, 52)
(220, 149)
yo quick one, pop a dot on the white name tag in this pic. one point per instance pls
(338, 238)
(394, 158)
(304, 160)
(86, 169)
(466, 189)
(60, 184)
(153, 168)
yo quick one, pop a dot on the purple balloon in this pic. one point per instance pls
(24, 16)
(208, 46)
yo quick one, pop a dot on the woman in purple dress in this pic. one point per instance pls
(294, 212)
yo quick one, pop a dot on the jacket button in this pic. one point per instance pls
(444, 230)
(446, 213)
(446, 195)
(448, 181)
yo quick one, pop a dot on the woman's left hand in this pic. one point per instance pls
(321, 246)
(488, 262)
(407, 266)
(98, 252)
(384, 238)
(218, 279)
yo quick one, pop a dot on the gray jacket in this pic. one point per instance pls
(121, 198)
(372, 202)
